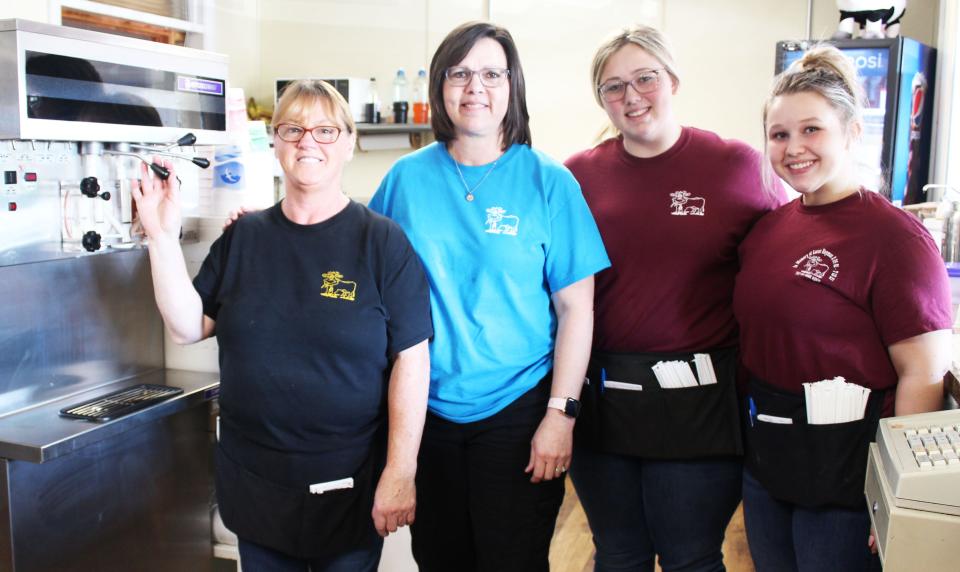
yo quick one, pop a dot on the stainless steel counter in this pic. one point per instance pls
(39, 434)
(131, 494)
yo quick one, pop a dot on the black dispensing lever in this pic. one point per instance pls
(159, 170)
(185, 141)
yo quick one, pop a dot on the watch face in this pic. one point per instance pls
(571, 408)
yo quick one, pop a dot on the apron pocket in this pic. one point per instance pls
(293, 521)
(702, 420)
(808, 465)
(658, 423)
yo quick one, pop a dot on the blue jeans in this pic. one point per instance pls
(256, 558)
(784, 537)
(638, 509)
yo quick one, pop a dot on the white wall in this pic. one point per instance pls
(556, 48)
(725, 51)
(36, 10)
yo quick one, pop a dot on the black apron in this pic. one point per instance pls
(293, 520)
(812, 466)
(658, 423)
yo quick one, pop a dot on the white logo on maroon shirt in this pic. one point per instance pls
(817, 265)
(683, 204)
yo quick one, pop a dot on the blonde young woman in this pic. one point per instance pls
(658, 470)
(321, 312)
(838, 282)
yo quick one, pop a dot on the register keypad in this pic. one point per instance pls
(934, 446)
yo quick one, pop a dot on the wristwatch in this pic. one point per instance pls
(568, 405)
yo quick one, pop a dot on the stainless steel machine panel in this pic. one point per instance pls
(31, 204)
(70, 325)
(77, 85)
(78, 318)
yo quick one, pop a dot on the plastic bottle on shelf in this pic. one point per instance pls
(401, 105)
(421, 98)
(371, 110)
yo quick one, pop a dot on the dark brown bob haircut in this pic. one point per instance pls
(455, 47)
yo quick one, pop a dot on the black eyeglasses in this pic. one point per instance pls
(644, 82)
(292, 133)
(489, 77)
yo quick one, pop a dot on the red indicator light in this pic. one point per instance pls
(30, 177)
(11, 207)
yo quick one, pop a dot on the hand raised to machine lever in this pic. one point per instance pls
(158, 200)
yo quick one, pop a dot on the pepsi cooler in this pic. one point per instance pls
(898, 80)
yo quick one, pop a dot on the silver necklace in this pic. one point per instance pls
(469, 196)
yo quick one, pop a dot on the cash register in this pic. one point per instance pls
(913, 491)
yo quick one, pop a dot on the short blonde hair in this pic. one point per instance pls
(649, 39)
(299, 96)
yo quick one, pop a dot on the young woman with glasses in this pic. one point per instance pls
(510, 250)
(321, 312)
(838, 282)
(658, 470)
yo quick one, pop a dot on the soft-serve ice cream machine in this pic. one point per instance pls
(79, 113)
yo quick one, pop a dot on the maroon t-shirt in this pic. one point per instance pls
(671, 225)
(824, 291)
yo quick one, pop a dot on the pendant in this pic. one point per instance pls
(469, 197)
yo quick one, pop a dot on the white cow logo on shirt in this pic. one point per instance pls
(818, 265)
(500, 223)
(684, 204)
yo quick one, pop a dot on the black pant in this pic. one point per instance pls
(477, 511)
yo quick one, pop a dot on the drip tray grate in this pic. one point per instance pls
(120, 402)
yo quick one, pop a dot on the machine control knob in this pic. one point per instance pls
(91, 241)
(90, 187)
(105, 195)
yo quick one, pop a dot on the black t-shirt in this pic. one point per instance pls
(307, 319)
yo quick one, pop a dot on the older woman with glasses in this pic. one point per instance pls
(658, 470)
(510, 250)
(321, 311)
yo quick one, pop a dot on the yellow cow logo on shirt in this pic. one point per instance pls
(334, 286)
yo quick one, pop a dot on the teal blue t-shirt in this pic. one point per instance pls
(492, 264)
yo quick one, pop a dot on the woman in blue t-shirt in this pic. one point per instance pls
(510, 249)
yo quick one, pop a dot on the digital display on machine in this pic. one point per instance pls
(65, 88)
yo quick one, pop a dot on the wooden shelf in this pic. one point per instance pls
(419, 134)
(376, 128)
